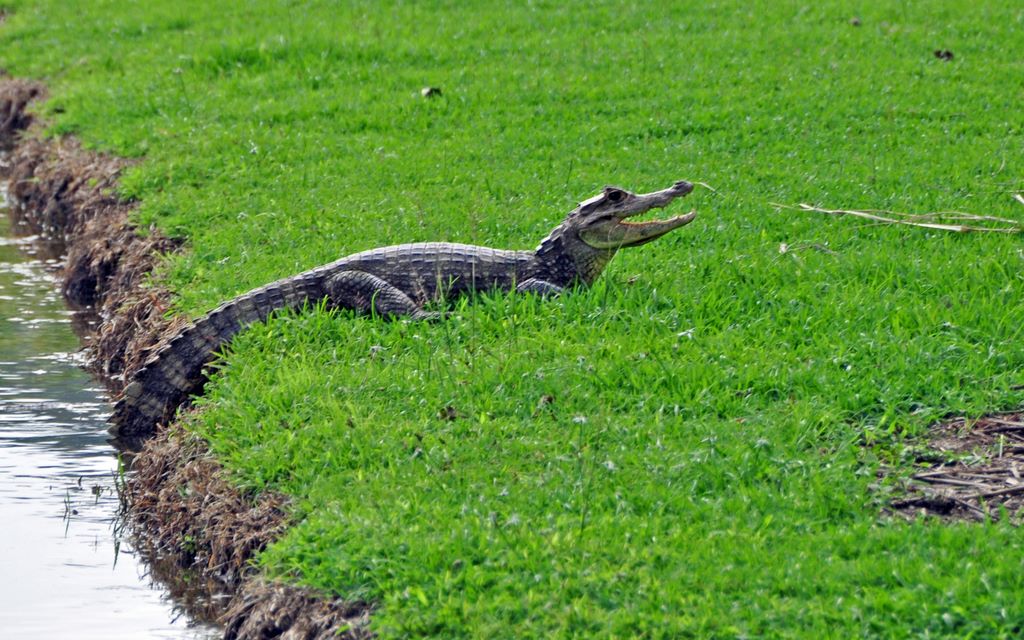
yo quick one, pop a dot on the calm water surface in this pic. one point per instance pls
(64, 570)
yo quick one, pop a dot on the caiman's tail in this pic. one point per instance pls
(175, 372)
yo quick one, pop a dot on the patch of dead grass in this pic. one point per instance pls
(976, 471)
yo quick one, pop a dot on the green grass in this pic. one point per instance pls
(718, 411)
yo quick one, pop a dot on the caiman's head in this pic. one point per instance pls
(603, 221)
(600, 226)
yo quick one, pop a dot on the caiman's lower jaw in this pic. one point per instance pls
(638, 233)
(619, 233)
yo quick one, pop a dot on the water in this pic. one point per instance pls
(65, 571)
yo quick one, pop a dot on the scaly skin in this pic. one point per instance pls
(398, 281)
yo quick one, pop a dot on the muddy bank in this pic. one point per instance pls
(178, 501)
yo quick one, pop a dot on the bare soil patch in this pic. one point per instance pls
(183, 510)
(976, 471)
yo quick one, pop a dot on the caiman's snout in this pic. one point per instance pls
(603, 220)
(682, 187)
(646, 201)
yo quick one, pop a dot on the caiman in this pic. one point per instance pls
(397, 281)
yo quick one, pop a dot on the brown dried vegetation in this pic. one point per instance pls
(975, 474)
(178, 501)
(15, 95)
(194, 517)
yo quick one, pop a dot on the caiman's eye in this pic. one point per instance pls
(614, 195)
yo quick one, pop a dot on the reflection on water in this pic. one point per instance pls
(65, 571)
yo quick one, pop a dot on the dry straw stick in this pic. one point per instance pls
(715, 191)
(938, 220)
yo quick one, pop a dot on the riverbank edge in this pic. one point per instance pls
(177, 497)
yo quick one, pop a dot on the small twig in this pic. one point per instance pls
(1005, 423)
(915, 219)
(932, 474)
(990, 475)
(1019, 198)
(944, 480)
(708, 187)
(971, 507)
(933, 215)
(984, 472)
(799, 246)
(1004, 429)
(959, 215)
(999, 492)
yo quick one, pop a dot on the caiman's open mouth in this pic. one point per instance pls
(645, 231)
(609, 227)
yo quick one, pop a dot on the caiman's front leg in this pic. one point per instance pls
(540, 287)
(367, 293)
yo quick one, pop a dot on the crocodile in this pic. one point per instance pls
(397, 281)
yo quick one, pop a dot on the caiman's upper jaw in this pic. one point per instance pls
(607, 227)
(637, 203)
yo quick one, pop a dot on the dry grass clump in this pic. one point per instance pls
(15, 95)
(977, 472)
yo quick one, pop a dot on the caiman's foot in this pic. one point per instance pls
(369, 294)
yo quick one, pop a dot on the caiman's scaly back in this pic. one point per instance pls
(398, 281)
